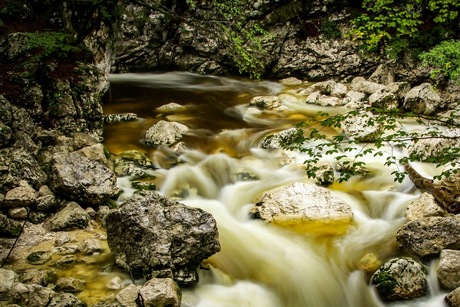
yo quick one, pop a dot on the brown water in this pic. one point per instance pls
(260, 264)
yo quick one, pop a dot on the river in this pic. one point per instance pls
(260, 264)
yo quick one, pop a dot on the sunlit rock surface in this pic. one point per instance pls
(449, 269)
(305, 207)
(150, 235)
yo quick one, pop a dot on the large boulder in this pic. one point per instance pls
(152, 236)
(363, 126)
(428, 236)
(82, 179)
(423, 99)
(401, 279)
(304, 205)
(72, 216)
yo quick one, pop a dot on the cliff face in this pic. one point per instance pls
(306, 39)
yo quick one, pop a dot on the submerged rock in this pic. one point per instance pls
(150, 235)
(303, 205)
(401, 279)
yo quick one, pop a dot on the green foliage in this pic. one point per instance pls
(330, 29)
(242, 39)
(314, 138)
(445, 60)
(393, 26)
(49, 44)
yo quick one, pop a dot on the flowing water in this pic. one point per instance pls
(224, 171)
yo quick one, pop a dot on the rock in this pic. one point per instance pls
(265, 102)
(359, 84)
(72, 216)
(384, 100)
(38, 257)
(313, 98)
(369, 263)
(114, 283)
(70, 284)
(277, 140)
(22, 196)
(31, 295)
(132, 163)
(399, 89)
(428, 236)
(42, 277)
(161, 292)
(453, 298)
(354, 100)
(7, 280)
(91, 246)
(9, 228)
(422, 99)
(82, 179)
(65, 261)
(170, 108)
(18, 213)
(449, 269)
(128, 296)
(150, 235)
(94, 152)
(401, 279)
(426, 149)
(121, 117)
(323, 100)
(6, 134)
(306, 205)
(65, 300)
(324, 173)
(425, 206)
(362, 126)
(324, 87)
(164, 133)
(291, 81)
(382, 75)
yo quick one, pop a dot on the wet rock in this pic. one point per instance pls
(422, 99)
(72, 216)
(170, 107)
(150, 235)
(42, 277)
(449, 269)
(369, 263)
(324, 173)
(277, 140)
(62, 239)
(164, 133)
(142, 185)
(38, 257)
(384, 99)
(70, 284)
(305, 205)
(8, 227)
(114, 283)
(118, 118)
(65, 261)
(425, 206)
(132, 163)
(453, 298)
(323, 100)
(401, 279)
(65, 300)
(355, 100)
(6, 134)
(128, 296)
(161, 292)
(7, 280)
(428, 236)
(67, 249)
(265, 102)
(359, 84)
(82, 179)
(22, 196)
(91, 246)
